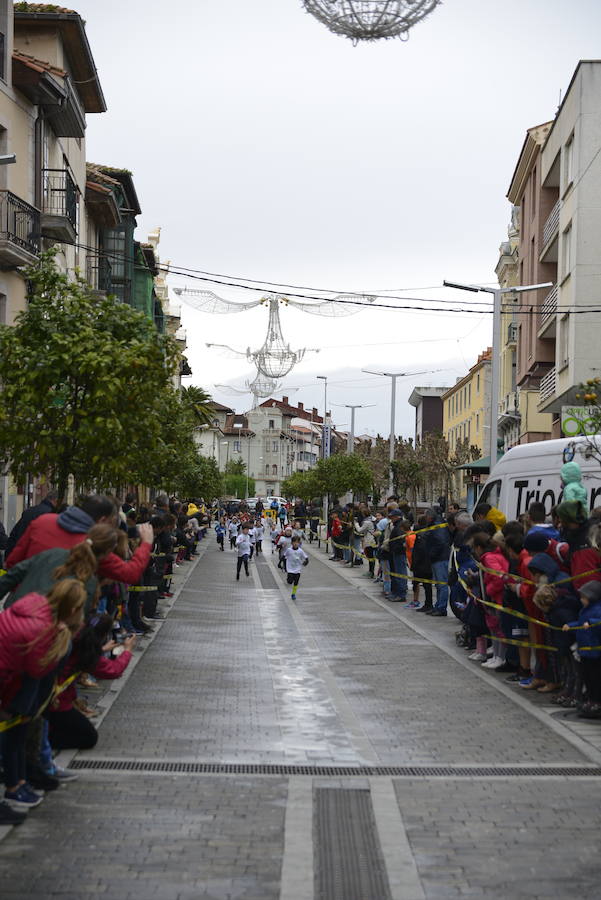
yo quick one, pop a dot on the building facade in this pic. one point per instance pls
(429, 417)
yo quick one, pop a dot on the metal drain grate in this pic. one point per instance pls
(200, 768)
(349, 862)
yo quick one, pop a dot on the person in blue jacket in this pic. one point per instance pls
(589, 646)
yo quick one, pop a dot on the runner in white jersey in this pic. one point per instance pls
(259, 530)
(243, 546)
(294, 558)
(283, 543)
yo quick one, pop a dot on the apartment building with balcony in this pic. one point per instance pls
(519, 420)
(570, 168)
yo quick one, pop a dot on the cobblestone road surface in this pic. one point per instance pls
(239, 674)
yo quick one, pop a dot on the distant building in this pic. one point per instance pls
(428, 410)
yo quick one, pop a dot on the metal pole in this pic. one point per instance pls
(495, 375)
(391, 448)
(247, 464)
(350, 445)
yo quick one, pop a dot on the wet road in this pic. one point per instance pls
(314, 749)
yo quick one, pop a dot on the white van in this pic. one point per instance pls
(531, 472)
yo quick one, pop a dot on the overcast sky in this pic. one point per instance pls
(267, 148)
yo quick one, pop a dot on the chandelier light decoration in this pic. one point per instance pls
(274, 359)
(370, 20)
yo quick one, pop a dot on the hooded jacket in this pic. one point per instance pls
(105, 669)
(66, 530)
(27, 631)
(589, 637)
(571, 476)
(34, 512)
(34, 575)
(495, 516)
(438, 543)
(494, 585)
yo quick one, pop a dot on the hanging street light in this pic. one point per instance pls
(370, 20)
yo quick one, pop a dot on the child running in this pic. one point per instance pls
(294, 558)
(243, 547)
(220, 532)
(233, 532)
(259, 530)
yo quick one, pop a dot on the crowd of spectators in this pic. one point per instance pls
(81, 585)
(527, 593)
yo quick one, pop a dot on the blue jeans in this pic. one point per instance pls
(398, 566)
(440, 572)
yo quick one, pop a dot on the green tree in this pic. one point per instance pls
(235, 467)
(199, 404)
(302, 484)
(341, 473)
(235, 485)
(83, 382)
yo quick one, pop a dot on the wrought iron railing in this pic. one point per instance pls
(552, 223)
(99, 274)
(512, 333)
(548, 385)
(19, 222)
(59, 194)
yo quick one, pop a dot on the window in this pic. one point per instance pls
(2, 309)
(267, 469)
(236, 446)
(477, 422)
(469, 394)
(274, 470)
(4, 13)
(274, 446)
(566, 253)
(478, 383)
(564, 333)
(568, 162)
(533, 195)
(272, 423)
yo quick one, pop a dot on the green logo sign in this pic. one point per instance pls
(577, 420)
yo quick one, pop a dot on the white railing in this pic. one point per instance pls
(552, 224)
(549, 307)
(547, 385)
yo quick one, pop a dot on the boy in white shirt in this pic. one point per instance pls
(297, 531)
(283, 543)
(294, 559)
(243, 546)
(259, 529)
(233, 532)
(253, 538)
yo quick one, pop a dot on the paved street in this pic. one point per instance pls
(218, 769)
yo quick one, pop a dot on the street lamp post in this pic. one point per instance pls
(496, 347)
(325, 450)
(350, 442)
(393, 376)
(227, 455)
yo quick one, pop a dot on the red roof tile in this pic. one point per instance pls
(38, 65)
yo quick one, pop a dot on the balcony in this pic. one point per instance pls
(512, 333)
(19, 231)
(59, 206)
(549, 307)
(548, 386)
(550, 244)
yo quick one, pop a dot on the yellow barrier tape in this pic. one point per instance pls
(392, 574)
(515, 643)
(143, 588)
(510, 577)
(7, 724)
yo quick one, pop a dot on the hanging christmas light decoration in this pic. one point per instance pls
(370, 20)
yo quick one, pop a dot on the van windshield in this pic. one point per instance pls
(491, 493)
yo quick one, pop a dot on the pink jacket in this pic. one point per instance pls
(106, 669)
(27, 619)
(494, 585)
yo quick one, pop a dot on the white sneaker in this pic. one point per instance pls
(477, 657)
(490, 652)
(492, 663)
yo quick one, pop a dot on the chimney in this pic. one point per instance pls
(315, 413)
(301, 407)
(285, 400)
